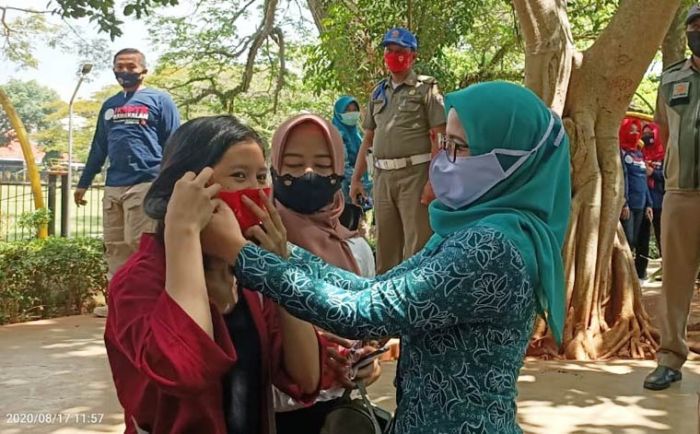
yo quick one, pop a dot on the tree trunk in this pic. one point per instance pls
(592, 90)
(319, 13)
(673, 46)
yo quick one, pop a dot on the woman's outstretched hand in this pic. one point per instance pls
(272, 235)
(222, 237)
(341, 361)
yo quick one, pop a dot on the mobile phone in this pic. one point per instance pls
(367, 359)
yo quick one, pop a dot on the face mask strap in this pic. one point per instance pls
(518, 153)
(526, 154)
(560, 136)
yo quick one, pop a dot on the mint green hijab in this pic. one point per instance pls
(531, 207)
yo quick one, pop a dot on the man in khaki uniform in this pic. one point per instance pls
(678, 117)
(404, 116)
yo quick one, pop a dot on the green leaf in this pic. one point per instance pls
(52, 277)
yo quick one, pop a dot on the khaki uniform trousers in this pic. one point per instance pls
(402, 221)
(124, 221)
(680, 242)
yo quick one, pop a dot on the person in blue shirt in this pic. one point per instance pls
(132, 128)
(638, 203)
(346, 117)
(654, 153)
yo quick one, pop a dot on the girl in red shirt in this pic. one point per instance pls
(190, 351)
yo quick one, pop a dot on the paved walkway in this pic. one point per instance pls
(58, 368)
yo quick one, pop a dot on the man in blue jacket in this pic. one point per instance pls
(131, 132)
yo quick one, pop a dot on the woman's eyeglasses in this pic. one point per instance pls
(450, 147)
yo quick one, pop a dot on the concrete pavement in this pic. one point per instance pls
(58, 368)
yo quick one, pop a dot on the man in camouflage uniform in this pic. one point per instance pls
(404, 117)
(678, 117)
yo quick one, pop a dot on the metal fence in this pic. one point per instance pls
(16, 200)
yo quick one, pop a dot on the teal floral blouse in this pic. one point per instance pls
(464, 312)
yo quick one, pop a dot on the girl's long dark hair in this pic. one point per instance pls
(195, 145)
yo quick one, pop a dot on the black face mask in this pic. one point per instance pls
(305, 194)
(648, 139)
(694, 42)
(128, 79)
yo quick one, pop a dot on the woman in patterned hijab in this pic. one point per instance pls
(464, 306)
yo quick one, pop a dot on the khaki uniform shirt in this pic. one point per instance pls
(678, 106)
(402, 118)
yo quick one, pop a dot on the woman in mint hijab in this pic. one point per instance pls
(464, 306)
(346, 118)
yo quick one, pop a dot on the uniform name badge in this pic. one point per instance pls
(680, 93)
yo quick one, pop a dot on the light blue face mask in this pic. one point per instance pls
(461, 183)
(350, 118)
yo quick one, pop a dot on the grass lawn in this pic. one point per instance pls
(17, 199)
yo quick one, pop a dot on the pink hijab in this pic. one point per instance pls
(321, 232)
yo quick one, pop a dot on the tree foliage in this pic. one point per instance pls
(349, 57)
(204, 48)
(255, 106)
(23, 29)
(588, 18)
(33, 102)
(212, 63)
(23, 34)
(104, 13)
(19, 37)
(85, 111)
(461, 43)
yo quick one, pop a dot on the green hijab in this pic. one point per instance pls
(531, 207)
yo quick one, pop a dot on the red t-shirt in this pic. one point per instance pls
(167, 371)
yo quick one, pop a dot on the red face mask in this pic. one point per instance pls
(398, 62)
(234, 199)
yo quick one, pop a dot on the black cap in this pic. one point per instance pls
(693, 13)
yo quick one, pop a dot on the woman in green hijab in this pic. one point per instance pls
(464, 306)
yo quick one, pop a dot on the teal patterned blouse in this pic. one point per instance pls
(464, 312)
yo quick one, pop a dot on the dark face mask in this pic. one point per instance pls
(694, 42)
(648, 139)
(305, 194)
(128, 79)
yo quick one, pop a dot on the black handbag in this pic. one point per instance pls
(356, 416)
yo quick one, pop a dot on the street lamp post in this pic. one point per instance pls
(84, 70)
